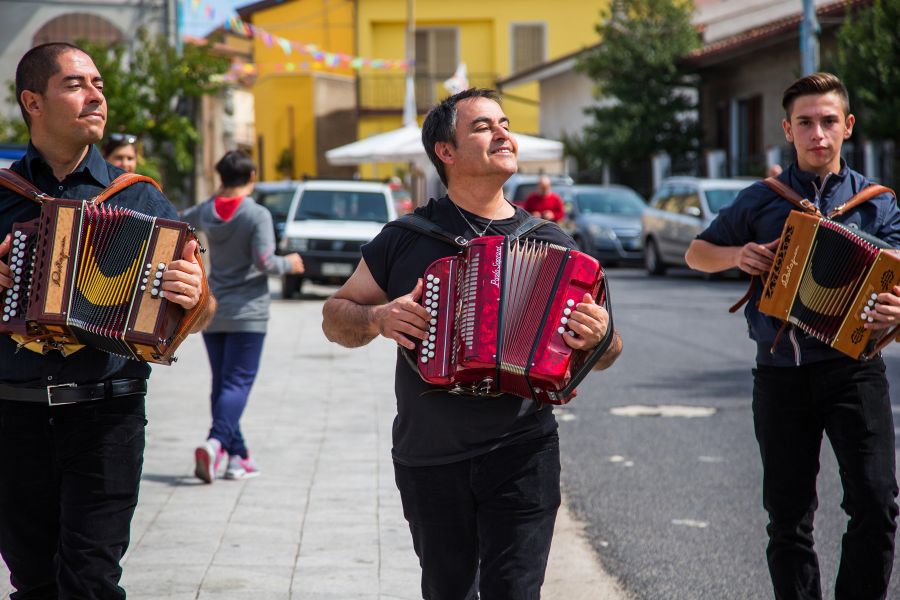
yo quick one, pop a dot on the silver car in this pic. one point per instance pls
(680, 209)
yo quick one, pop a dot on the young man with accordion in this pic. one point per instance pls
(477, 467)
(818, 369)
(72, 418)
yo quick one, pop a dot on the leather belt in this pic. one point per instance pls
(70, 393)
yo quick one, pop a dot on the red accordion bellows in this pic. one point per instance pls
(499, 313)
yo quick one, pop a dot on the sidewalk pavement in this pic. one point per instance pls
(324, 520)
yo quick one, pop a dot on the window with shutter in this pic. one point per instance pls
(527, 46)
(436, 54)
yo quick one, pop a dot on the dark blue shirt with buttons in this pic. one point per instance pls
(87, 365)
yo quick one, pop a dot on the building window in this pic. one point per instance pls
(528, 41)
(436, 60)
(750, 154)
(72, 27)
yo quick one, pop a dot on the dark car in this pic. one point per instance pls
(607, 222)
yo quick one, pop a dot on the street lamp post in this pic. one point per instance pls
(809, 41)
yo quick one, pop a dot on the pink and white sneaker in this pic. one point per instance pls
(207, 458)
(241, 468)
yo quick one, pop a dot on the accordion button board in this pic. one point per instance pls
(824, 280)
(90, 275)
(499, 312)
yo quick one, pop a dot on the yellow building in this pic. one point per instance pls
(493, 39)
(303, 106)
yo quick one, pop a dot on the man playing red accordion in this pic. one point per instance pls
(478, 477)
(802, 386)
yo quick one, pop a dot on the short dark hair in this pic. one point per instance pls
(815, 84)
(440, 124)
(36, 68)
(235, 168)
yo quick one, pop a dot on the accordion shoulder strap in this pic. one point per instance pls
(864, 195)
(120, 183)
(422, 225)
(15, 182)
(789, 194)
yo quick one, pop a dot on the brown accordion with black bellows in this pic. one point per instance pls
(87, 275)
(826, 276)
(500, 311)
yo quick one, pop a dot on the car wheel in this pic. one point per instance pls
(652, 260)
(290, 285)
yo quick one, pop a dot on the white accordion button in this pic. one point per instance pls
(433, 321)
(154, 292)
(430, 277)
(432, 337)
(570, 303)
(571, 333)
(424, 359)
(864, 316)
(564, 320)
(437, 280)
(161, 266)
(874, 296)
(424, 349)
(431, 355)
(561, 330)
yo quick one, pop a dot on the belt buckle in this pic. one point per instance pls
(50, 401)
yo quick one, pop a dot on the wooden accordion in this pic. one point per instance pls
(84, 274)
(499, 311)
(824, 277)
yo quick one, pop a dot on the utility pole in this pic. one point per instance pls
(809, 39)
(409, 101)
(179, 26)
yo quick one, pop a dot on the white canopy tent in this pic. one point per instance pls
(405, 145)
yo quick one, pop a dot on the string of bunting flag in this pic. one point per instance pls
(330, 59)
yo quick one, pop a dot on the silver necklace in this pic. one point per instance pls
(477, 233)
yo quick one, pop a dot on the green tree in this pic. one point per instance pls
(153, 93)
(868, 61)
(643, 106)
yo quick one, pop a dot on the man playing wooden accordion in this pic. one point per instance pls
(478, 476)
(802, 386)
(72, 427)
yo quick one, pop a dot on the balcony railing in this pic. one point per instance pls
(387, 91)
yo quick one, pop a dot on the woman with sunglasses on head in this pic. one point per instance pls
(121, 150)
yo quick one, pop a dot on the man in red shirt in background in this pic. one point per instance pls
(545, 204)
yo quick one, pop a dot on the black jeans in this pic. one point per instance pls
(69, 478)
(484, 524)
(848, 401)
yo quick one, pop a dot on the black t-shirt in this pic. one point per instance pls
(432, 426)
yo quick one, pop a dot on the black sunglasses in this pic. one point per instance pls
(126, 137)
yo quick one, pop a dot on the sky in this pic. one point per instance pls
(197, 20)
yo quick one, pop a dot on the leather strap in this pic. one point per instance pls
(805, 205)
(15, 182)
(70, 393)
(422, 225)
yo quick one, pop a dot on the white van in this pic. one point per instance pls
(327, 223)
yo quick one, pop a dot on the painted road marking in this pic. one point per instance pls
(690, 523)
(663, 410)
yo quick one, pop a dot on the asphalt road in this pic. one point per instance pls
(673, 503)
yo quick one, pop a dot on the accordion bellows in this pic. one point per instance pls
(824, 277)
(499, 313)
(89, 275)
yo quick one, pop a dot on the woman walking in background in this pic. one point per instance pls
(121, 151)
(242, 255)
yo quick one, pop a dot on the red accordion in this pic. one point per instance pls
(499, 313)
(84, 274)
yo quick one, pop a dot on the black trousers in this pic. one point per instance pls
(69, 478)
(792, 407)
(484, 524)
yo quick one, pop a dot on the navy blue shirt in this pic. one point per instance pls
(758, 215)
(433, 426)
(30, 369)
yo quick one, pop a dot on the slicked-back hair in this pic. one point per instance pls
(815, 84)
(440, 124)
(36, 68)
(235, 168)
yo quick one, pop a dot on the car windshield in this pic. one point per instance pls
(342, 205)
(609, 202)
(278, 202)
(719, 199)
